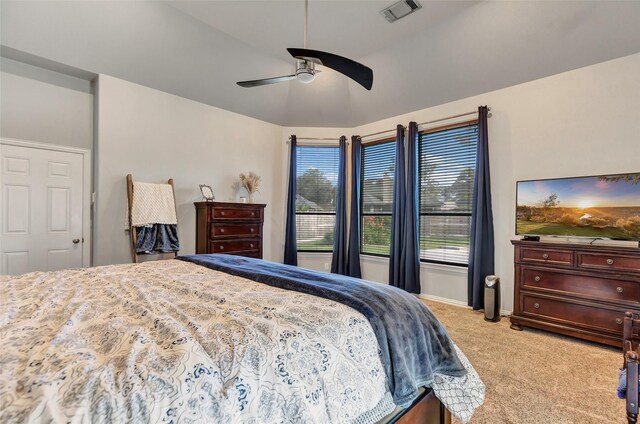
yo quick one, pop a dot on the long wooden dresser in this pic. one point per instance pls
(234, 228)
(575, 289)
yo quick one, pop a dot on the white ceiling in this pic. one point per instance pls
(350, 28)
(446, 51)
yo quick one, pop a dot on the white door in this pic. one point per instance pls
(41, 214)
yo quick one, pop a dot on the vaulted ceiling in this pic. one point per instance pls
(446, 51)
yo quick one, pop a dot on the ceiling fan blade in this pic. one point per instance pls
(361, 74)
(266, 81)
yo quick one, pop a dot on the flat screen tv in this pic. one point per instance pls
(602, 207)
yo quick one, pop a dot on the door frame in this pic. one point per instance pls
(86, 186)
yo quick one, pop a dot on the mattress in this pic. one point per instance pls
(171, 341)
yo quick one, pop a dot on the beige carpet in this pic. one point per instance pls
(534, 376)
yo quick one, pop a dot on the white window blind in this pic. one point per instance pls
(317, 178)
(446, 171)
(376, 179)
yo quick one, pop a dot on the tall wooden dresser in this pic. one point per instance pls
(233, 228)
(575, 289)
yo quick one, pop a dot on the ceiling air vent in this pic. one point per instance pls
(400, 10)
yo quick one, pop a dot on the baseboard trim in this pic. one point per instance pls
(458, 303)
(444, 300)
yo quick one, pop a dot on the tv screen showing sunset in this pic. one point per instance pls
(606, 206)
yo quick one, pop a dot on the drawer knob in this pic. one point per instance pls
(545, 256)
(251, 245)
(537, 278)
(222, 213)
(619, 289)
(618, 321)
(252, 230)
(609, 261)
(222, 230)
(221, 247)
(536, 305)
(253, 213)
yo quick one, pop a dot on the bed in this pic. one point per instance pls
(181, 340)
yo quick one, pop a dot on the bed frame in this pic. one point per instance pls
(630, 350)
(426, 409)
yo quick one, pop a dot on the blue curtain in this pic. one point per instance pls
(396, 267)
(339, 257)
(481, 248)
(410, 256)
(290, 247)
(353, 263)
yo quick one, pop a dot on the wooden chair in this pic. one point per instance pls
(631, 353)
(132, 230)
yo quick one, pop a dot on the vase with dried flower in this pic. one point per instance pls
(251, 183)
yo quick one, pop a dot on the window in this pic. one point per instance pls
(378, 164)
(446, 170)
(317, 178)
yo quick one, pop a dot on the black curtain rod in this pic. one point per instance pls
(475, 112)
(394, 129)
(316, 139)
(425, 123)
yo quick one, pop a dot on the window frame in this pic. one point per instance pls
(420, 213)
(362, 213)
(337, 147)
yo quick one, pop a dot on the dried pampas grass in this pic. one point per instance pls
(250, 182)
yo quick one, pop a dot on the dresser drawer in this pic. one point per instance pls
(235, 213)
(221, 229)
(571, 283)
(593, 317)
(558, 257)
(612, 262)
(232, 246)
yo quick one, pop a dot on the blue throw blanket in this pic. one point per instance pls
(157, 238)
(621, 391)
(413, 344)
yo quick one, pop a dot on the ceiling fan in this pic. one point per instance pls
(307, 59)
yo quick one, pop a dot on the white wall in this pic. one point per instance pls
(582, 122)
(45, 106)
(154, 136)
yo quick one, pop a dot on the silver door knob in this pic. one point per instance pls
(545, 256)
(619, 289)
(609, 261)
(536, 305)
(76, 241)
(536, 278)
(618, 321)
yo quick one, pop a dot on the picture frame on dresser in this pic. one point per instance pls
(229, 227)
(207, 193)
(578, 290)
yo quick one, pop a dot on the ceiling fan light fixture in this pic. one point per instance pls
(305, 76)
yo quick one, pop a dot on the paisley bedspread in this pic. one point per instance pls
(174, 342)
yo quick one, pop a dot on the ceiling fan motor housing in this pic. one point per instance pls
(305, 72)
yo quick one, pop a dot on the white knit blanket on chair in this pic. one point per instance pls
(153, 204)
